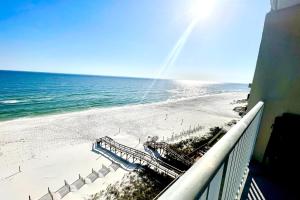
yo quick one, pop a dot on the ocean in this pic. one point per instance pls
(24, 94)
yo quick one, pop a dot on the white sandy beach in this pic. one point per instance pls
(54, 148)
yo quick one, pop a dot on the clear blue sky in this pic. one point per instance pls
(131, 38)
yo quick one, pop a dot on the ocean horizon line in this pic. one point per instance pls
(120, 76)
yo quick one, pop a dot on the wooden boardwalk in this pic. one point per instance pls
(164, 148)
(135, 156)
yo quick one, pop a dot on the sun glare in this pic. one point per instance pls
(193, 82)
(202, 9)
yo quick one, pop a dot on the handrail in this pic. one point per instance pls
(222, 162)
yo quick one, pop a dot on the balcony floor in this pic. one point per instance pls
(259, 186)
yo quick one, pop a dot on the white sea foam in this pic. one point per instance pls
(44, 99)
(12, 101)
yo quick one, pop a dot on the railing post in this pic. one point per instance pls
(223, 178)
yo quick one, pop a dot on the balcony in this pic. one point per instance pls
(222, 172)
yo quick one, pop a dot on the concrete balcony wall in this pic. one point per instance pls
(277, 76)
(281, 4)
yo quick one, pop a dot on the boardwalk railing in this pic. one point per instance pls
(220, 173)
(165, 149)
(136, 156)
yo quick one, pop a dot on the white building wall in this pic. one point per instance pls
(280, 4)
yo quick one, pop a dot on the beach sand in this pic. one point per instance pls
(51, 149)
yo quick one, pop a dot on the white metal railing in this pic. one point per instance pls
(219, 174)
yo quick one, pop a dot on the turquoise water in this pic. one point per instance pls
(28, 93)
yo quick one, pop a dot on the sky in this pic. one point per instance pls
(174, 39)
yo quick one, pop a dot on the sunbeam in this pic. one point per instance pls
(173, 55)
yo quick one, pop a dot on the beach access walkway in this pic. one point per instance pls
(135, 156)
(164, 148)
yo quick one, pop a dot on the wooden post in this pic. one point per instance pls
(29, 197)
(80, 177)
(93, 171)
(67, 184)
(50, 193)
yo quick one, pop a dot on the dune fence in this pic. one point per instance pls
(79, 183)
(185, 133)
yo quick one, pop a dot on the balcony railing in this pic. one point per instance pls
(221, 172)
